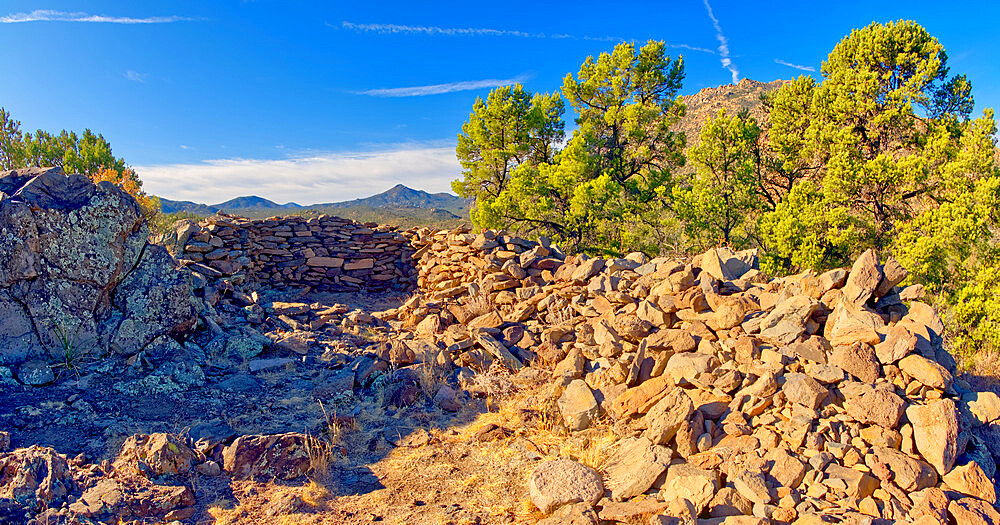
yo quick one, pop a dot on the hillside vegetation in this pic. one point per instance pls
(879, 153)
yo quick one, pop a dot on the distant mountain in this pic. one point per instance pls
(169, 206)
(403, 196)
(252, 202)
(398, 205)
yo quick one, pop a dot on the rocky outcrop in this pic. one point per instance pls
(77, 273)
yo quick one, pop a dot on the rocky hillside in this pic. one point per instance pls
(733, 98)
(516, 385)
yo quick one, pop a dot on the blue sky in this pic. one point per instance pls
(325, 101)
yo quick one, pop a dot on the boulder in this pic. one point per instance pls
(35, 478)
(274, 456)
(971, 480)
(155, 455)
(926, 371)
(77, 266)
(877, 407)
(667, 416)
(562, 482)
(578, 406)
(909, 473)
(685, 481)
(802, 389)
(635, 467)
(864, 278)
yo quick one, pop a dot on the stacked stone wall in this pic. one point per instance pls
(327, 254)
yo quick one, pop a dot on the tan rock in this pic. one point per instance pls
(926, 371)
(850, 324)
(578, 406)
(639, 399)
(802, 389)
(982, 408)
(973, 511)
(864, 278)
(935, 432)
(786, 469)
(877, 407)
(969, 479)
(667, 416)
(561, 482)
(910, 474)
(858, 360)
(684, 481)
(635, 467)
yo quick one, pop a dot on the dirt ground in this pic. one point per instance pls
(418, 464)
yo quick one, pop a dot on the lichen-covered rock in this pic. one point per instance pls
(77, 271)
(155, 455)
(156, 298)
(35, 478)
(281, 456)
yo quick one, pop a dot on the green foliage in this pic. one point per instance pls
(880, 136)
(723, 195)
(88, 153)
(510, 129)
(606, 191)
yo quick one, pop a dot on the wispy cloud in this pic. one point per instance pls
(136, 76)
(48, 15)
(726, 61)
(397, 29)
(796, 66)
(437, 89)
(309, 179)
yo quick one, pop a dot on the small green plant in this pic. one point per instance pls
(72, 348)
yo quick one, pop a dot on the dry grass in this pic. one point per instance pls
(495, 382)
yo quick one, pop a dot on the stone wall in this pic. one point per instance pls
(327, 254)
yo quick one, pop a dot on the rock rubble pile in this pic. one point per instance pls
(798, 400)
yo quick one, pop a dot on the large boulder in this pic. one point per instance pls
(76, 268)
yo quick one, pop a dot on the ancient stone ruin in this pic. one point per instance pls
(327, 254)
(729, 397)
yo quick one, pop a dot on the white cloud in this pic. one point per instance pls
(47, 15)
(437, 89)
(796, 66)
(135, 76)
(723, 45)
(397, 29)
(312, 179)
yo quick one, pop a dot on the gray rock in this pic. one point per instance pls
(240, 383)
(563, 481)
(35, 373)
